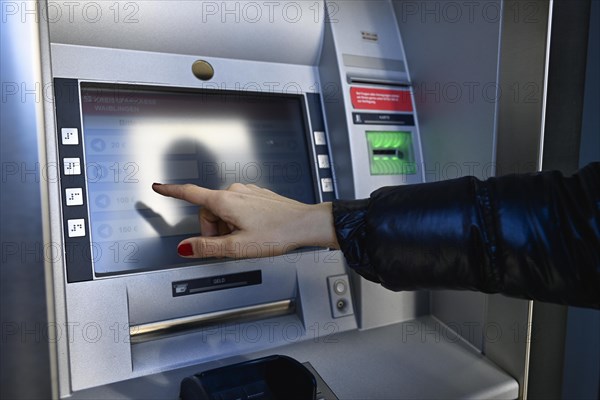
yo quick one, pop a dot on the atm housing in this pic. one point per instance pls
(137, 334)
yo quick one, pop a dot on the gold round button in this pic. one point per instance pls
(203, 70)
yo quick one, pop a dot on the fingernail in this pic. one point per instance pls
(157, 184)
(185, 250)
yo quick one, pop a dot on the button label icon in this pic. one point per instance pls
(320, 138)
(327, 185)
(323, 160)
(76, 227)
(74, 196)
(69, 136)
(72, 166)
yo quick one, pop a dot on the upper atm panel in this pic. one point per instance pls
(368, 41)
(224, 29)
(373, 125)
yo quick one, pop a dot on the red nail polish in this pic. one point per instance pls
(185, 250)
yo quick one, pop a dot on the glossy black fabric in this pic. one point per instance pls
(530, 236)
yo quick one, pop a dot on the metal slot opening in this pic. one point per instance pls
(388, 152)
(155, 330)
(375, 81)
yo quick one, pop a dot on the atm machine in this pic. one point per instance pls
(313, 100)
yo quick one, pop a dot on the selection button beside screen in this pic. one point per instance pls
(72, 166)
(76, 227)
(320, 138)
(323, 160)
(69, 136)
(327, 185)
(74, 196)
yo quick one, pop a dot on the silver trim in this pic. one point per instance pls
(144, 332)
(313, 151)
(497, 106)
(87, 189)
(55, 269)
(527, 351)
(545, 85)
(519, 126)
(527, 361)
(42, 53)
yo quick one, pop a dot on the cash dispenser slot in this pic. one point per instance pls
(155, 330)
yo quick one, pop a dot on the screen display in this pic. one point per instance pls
(134, 136)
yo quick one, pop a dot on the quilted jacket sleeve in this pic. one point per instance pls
(531, 236)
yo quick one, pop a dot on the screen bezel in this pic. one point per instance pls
(309, 145)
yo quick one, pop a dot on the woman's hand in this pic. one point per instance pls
(246, 221)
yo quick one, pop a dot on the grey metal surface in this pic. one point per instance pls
(548, 331)
(283, 32)
(562, 136)
(102, 311)
(25, 358)
(374, 63)
(122, 66)
(61, 378)
(143, 298)
(453, 63)
(523, 65)
(153, 330)
(566, 80)
(351, 20)
(452, 55)
(149, 297)
(343, 46)
(334, 114)
(413, 360)
(493, 126)
(464, 312)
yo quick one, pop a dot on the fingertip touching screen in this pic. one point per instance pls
(136, 135)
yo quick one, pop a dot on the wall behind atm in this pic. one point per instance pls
(581, 374)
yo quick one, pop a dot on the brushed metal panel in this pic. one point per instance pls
(283, 32)
(453, 62)
(26, 331)
(522, 73)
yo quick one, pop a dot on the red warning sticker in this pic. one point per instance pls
(381, 99)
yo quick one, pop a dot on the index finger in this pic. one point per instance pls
(188, 192)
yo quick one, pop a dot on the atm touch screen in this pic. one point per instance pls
(136, 135)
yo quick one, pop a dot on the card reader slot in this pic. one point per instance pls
(154, 330)
(385, 152)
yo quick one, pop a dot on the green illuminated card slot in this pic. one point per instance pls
(391, 153)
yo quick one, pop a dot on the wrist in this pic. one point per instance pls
(319, 229)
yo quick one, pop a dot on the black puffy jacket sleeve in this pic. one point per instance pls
(530, 236)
